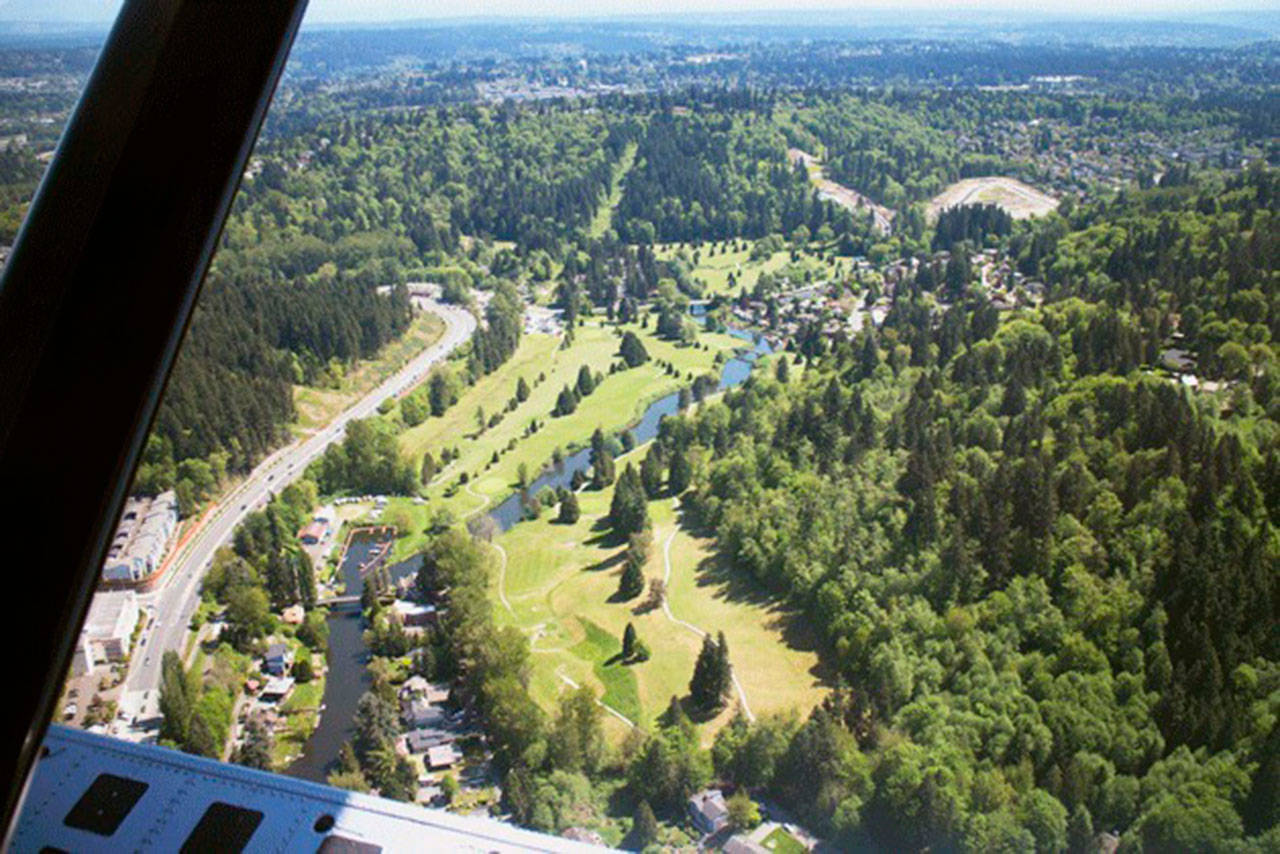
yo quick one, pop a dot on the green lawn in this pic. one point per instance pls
(601, 649)
(302, 709)
(560, 580)
(604, 214)
(784, 843)
(713, 270)
(617, 402)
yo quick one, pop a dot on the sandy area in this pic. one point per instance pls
(1019, 199)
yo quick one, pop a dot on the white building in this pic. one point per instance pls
(140, 541)
(82, 660)
(110, 624)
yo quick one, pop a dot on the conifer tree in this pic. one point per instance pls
(586, 382)
(652, 469)
(629, 509)
(680, 472)
(644, 827)
(632, 582)
(628, 642)
(569, 511)
(704, 686)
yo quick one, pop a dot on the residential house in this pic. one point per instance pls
(412, 614)
(278, 660)
(276, 690)
(708, 811)
(442, 756)
(743, 845)
(313, 532)
(422, 740)
(418, 714)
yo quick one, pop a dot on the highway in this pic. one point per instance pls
(175, 600)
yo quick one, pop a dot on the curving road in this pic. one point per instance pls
(173, 603)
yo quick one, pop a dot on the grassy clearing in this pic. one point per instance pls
(617, 402)
(303, 711)
(317, 406)
(783, 843)
(619, 681)
(604, 214)
(561, 581)
(713, 270)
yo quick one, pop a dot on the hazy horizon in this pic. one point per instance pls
(365, 12)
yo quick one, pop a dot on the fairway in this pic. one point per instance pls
(604, 213)
(713, 270)
(617, 402)
(561, 579)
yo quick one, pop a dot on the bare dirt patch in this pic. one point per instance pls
(1021, 200)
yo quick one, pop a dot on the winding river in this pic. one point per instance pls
(348, 676)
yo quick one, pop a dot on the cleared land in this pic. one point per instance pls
(617, 402)
(604, 214)
(318, 406)
(844, 196)
(713, 270)
(1018, 199)
(561, 579)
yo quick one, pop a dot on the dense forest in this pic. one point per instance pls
(1046, 573)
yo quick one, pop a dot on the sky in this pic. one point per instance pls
(384, 11)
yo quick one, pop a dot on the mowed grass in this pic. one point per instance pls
(714, 270)
(561, 582)
(604, 214)
(318, 406)
(302, 708)
(783, 843)
(619, 400)
(618, 679)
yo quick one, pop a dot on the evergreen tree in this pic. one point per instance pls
(602, 467)
(255, 751)
(586, 382)
(631, 584)
(628, 642)
(522, 390)
(706, 686)
(569, 512)
(629, 509)
(632, 350)
(178, 695)
(680, 473)
(652, 470)
(644, 826)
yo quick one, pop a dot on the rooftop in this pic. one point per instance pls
(109, 612)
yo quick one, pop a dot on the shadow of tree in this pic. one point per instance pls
(607, 563)
(717, 573)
